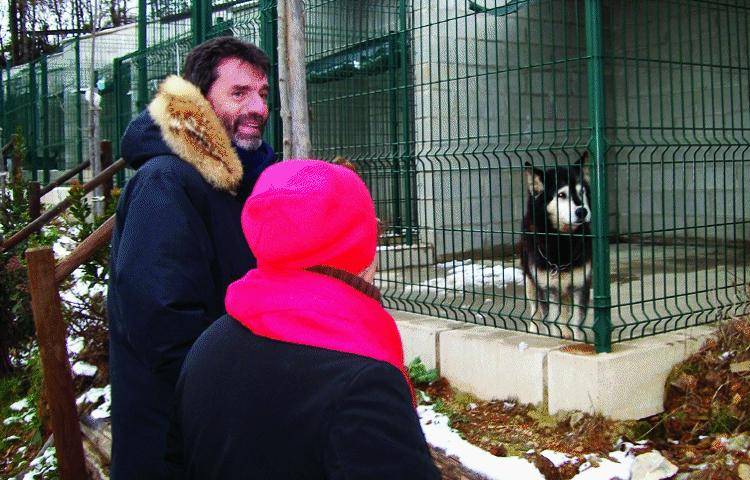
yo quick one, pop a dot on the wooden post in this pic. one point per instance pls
(53, 212)
(106, 149)
(17, 156)
(35, 205)
(58, 380)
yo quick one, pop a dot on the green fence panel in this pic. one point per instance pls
(678, 128)
(441, 104)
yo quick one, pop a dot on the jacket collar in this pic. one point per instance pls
(192, 130)
(315, 309)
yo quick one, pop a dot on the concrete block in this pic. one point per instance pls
(494, 364)
(404, 256)
(625, 384)
(420, 336)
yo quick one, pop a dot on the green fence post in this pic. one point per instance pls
(6, 126)
(79, 117)
(142, 98)
(119, 129)
(4, 120)
(597, 148)
(200, 20)
(405, 151)
(33, 131)
(268, 43)
(45, 119)
(393, 62)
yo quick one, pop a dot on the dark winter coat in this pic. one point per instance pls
(256, 408)
(176, 246)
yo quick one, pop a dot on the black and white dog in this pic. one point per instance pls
(556, 256)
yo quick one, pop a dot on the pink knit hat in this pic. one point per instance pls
(305, 213)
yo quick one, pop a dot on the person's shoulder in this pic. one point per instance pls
(169, 171)
(380, 379)
(217, 337)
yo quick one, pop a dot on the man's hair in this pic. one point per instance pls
(201, 62)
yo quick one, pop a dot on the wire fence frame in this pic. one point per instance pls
(441, 104)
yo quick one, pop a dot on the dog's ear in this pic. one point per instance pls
(583, 159)
(534, 179)
(583, 162)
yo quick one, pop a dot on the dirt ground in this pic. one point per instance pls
(705, 429)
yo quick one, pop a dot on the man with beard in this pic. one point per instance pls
(178, 242)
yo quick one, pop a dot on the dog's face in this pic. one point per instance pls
(563, 192)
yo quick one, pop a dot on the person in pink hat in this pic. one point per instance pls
(304, 377)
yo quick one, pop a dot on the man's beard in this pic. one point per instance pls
(251, 143)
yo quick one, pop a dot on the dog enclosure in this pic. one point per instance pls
(440, 104)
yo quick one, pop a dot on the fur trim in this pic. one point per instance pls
(193, 131)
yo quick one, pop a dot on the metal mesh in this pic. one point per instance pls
(441, 104)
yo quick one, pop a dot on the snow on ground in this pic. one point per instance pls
(440, 435)
(558, 459)
(43, 466)
(465, 274)
(26, 413)
(22, 404)
(606, 469)
(94, 395)
(84, 369)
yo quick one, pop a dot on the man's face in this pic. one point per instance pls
(238, 96)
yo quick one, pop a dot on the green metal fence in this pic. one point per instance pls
(441, 103)
(46, 100)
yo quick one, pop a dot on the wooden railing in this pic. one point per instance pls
(45, 278)
(105, 177)
(6, 147)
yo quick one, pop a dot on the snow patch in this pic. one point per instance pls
(94, 395)
(84, 369)
(75, 345)
(440, 435)
(607, 469)
(558, 459)
(43, 466)
(465, 275)
(20, 405)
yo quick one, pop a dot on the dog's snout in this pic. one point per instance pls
(581, 212)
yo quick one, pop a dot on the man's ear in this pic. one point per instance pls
(534, 179)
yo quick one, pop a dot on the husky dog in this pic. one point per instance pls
(556, 255)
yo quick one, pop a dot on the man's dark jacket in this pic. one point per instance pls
(250, 407)
(176, 246)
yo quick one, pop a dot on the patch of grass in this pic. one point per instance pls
(543, 419)
(20, 439)
(721, 420)
(419, 373)
(11, 389)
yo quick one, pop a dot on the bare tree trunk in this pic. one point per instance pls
(298, 78)
(286, 115)
(292, 79)
(94, 142)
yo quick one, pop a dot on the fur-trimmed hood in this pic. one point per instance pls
(180, 121)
